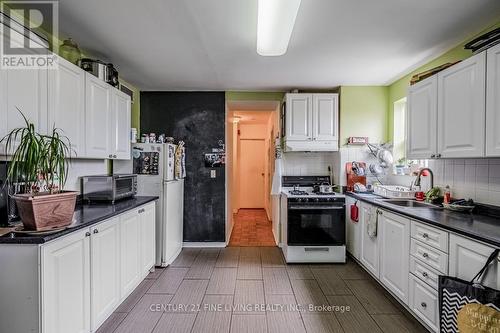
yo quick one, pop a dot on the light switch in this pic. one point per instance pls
(213, 173)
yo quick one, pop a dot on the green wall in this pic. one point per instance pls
(254, 96)
(363, 112)
(398, 89)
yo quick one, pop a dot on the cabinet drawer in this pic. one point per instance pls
(432, 257)
(424, 302)
(431, 236)
(424, 272)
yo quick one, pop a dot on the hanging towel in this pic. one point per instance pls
(371, 227)
(276, 186)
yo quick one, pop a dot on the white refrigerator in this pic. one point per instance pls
(154, 165)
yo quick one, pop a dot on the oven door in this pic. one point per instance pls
(316, 224)
(124, 187)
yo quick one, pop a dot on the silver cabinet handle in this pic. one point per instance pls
(433, 155)
(425, 235)
(87, 234)
(110, 156)
(423, 304)
(96, 231)
(438, 155)
(114, 156)
(424, 274)
(425, 255)
(142, 210)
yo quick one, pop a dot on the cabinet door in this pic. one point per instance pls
(461, 108)
(493, 101)
(67, 104)
(421, 140)
(394, 253)
(66, 284)
(130, 254)
(148, 245)
(353, 228)
(97, 116)
(325, 117)
(105, 277)
(120, 125)
(369, 245)
(22, 90)
(298, 117)
(467, 257)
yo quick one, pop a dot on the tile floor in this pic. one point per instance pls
(215, 279)
(252, 228)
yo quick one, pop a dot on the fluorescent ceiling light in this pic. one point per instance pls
(275, 25)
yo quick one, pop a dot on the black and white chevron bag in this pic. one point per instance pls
(468, 306)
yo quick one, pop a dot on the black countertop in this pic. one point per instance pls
(85, 216)
(480, 227)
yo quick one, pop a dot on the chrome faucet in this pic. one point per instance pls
(419, 175)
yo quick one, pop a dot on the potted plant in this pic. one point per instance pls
(39, 169)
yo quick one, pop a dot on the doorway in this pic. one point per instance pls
(251, 129)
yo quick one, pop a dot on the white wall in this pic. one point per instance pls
(81, 167)
(478, 179)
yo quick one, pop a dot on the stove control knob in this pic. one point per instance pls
(305, 200)
(299, 200)
(316, 200)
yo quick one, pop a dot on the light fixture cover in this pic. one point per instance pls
(275, 22)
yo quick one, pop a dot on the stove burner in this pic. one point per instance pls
(298, 192)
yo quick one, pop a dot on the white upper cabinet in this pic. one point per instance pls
(311, 122)
(325, 117)
(422, 120)
(298, 117)
(461, 108)
(394, 253)
(493, 101)
(67, 104)
(97, 116)
(120, 125)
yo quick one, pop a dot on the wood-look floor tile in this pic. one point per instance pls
(249, 323)
(356, 320)
(308, 294)
(248, 292)
(299, 272)
(398, 324)
(284, 322)
(156, 274)
(321, 323)
(228, 257)
(276, 281)
(288, 301)
(190, 292)
(271, 257)
(175, 323)
(222, 281)
(250, 251)
(211, 320)
(330, 282)
(141, 318)
(249, 268)
(112, 322)
(186, 258)
(203, 265)
(350, 271)
(372, 296)
(169, 281)
(135, 296)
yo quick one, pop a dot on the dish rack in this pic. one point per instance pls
(394, 192)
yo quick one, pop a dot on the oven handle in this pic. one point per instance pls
(316, 207)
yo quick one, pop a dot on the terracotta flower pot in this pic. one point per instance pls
(46, 211)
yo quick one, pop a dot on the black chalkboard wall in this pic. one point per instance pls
(197, 118)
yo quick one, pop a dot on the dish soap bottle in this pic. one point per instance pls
(447, 194)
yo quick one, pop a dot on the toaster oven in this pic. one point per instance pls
(108, 188)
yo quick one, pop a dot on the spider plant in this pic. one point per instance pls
(37, 159)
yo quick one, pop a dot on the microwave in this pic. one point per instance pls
(109, 188)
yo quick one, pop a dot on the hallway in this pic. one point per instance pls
(252, 228)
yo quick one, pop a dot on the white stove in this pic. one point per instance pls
(314, 223)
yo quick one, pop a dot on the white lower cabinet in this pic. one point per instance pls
(147, 225)
(65, 284)
(467, 257)
(105, 272)
(130, 231)
(394, 247)
(423, 301)
(369, 256)
(353, 229)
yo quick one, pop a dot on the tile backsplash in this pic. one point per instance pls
(306, 163)
(82, 167)
(478, 179)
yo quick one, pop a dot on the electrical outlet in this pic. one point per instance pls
(213, 173)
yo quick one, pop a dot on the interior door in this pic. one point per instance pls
(252, 168)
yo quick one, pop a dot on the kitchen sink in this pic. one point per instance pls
(409, 203)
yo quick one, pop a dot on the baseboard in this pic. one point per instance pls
(204, 244)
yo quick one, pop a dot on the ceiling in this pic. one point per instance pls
(211, 44)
